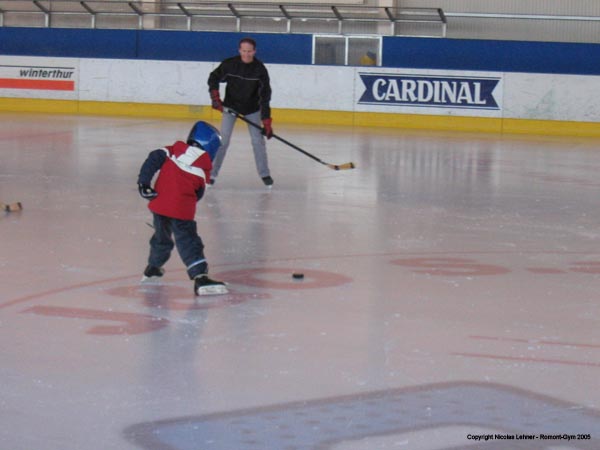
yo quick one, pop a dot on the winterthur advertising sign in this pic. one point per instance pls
(35, 77)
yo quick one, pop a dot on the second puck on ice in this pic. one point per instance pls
(297, 276)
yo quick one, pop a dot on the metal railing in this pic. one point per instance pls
(304, 16)
(524, 16)
(521, 26)
(224, 16)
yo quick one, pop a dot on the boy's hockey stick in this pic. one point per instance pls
(11, 207)
(349, 165)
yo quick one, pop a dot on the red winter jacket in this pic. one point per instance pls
(186, 170)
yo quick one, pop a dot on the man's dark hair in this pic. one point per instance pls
(248, 40)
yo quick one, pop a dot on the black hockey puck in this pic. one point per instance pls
(297, 276)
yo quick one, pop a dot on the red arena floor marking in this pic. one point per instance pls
(52, 292)
(264, 278)
(535, 341)
(586, 267)
(131, 323)
(179, 298)
(450, 266)
(528, 360)
(545, 270)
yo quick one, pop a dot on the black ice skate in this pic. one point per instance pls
(203, 285)
(152, 273)
(268, 181)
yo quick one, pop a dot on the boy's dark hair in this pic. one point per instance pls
(248, 40)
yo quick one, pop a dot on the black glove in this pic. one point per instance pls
(146, 191)
(200, 193)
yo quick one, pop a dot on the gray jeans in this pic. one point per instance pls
(258, 144)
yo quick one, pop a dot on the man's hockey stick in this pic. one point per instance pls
(349, 165)
(11, 207)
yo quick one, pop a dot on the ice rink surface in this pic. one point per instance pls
(451, 294)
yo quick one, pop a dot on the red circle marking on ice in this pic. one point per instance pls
(264, 278)
(179, 298)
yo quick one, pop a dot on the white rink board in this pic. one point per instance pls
(552, 97)
(326, 88)
(329, 88)
(144, 81)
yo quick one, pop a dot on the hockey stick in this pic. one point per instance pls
(11, 207)
(349, 165)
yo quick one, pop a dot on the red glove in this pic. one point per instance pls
(216, 100)
(267, 128)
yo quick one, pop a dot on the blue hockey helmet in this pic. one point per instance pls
(205, 136)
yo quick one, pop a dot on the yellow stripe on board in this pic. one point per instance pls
(310, 117)
(425, 122)
(551, 127)
(38, 105)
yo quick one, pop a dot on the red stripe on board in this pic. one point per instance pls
(51, 85)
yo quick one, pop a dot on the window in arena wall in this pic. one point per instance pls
(347, 50)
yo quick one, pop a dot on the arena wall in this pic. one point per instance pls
(467, 85)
